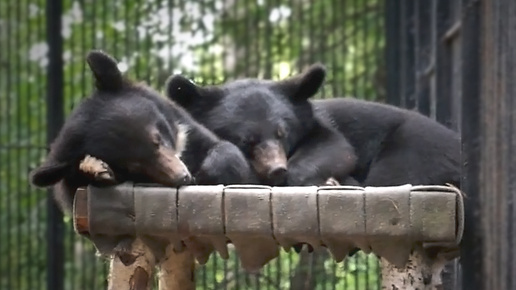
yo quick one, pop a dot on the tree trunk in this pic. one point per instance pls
(419, 273)
(137, 275)
(177, 271)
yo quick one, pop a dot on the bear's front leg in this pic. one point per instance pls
(97, 170)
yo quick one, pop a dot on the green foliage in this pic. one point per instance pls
(210, 41)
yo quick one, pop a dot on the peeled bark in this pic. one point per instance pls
(177, 271)
(135, 276)
(419, 273)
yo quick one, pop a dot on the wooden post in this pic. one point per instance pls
(136, 276)
(420, 273)
(177, 271)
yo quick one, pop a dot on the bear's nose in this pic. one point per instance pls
(277, 175)
(184, 179)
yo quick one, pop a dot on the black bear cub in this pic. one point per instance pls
(274, 124)
(395, 146)
(127, 132)
(356, 142)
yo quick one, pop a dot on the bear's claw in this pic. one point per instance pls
(96, 168)
(331, 182)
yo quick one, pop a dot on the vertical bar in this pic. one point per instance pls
(137, 40)
(75, 275)
(7, 161)
(444, 80)
(29, 230)
(19, 151)
(456, 68)
(444, 63)
(392, 51)
(472, 241)
(334, 275)
(408, 52)
(423, 50)
(267, 41)
(365, 76)
(40, 212)
(380, 87)
(148, 46)
(333, 47)
(55, 117)
(258, 42)
(289, 254)
(237, 272)
(354, 37)
(214, 271)
(247, 43)
(69, 238)
(343, 40)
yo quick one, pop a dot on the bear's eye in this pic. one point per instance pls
(280, 133)
(157, 140)
(249, 140)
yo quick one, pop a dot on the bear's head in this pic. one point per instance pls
(266, 119)
(121, 125)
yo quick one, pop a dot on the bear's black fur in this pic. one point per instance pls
(271, 122)
(394, 146)
(142, 137)
(389, 145)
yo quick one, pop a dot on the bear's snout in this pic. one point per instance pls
(170, 170)
(277, 175)
(270, 162)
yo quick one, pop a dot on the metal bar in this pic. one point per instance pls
(457, 67)
(472, 245)
(424, 61)
(444, 64)
(55, 118)
(393, 55)
(444, 80)
(408, 72)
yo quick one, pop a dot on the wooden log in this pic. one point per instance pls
(80, 212)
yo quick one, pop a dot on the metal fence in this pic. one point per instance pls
(43, 75)
(424, 58)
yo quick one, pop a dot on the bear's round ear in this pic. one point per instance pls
(305, 85)
(182, 90)
(105, 70)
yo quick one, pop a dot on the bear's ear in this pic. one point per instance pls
(304, 85)
(182, 90)
(49, 173)
(105, 70)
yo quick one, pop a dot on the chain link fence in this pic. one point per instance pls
(210, 41)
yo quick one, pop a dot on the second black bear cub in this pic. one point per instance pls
(395, 146)
(139, 136)
(274, 124)
(356, 142)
